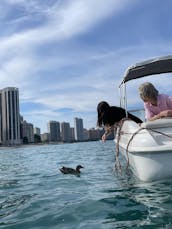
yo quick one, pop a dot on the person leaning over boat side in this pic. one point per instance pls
(156, 105)
(109, 116)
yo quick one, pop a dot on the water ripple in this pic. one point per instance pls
(35, 194)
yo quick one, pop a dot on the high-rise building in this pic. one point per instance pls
(54, 131)
(94, 134)
(37, 131)
(72, 134)
(27, 132)
(10, 116)
(65, 132)
(78, 128)
(45, 137)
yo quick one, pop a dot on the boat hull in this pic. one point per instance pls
(149, 152)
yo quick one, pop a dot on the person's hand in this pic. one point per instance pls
(103, 137)
(166, 113)
(108, 130)
(162, 114)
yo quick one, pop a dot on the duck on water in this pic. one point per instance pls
(67, 170)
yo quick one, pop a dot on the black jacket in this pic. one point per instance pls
(118, 113)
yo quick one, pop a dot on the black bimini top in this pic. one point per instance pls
(150, 67)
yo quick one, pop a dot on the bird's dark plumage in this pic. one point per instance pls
(67, 170)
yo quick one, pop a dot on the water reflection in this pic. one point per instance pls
(154, 196)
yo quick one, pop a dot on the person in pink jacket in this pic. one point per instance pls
(156, 105)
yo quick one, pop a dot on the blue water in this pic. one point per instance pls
(35, 194)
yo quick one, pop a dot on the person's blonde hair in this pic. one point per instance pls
(148, 91)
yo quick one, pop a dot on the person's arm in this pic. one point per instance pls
(148, 113)
(108, 131)
(155, 117)
(162, 114)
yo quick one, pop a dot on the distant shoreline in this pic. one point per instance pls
(39, 144)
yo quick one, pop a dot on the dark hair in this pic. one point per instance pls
(103, 110)
(109, 115)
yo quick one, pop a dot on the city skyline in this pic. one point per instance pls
(67, 56)
(16, 130)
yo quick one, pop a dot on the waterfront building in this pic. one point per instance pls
(78, 128)
(85, 135)
(27, 132)
(65, 132)
(45, 137)
(9, 116)
(72, 134)
(54, 131)
(94, 134)
(37, 131)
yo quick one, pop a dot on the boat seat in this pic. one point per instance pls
(159, 123)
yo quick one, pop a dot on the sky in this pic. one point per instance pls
(66, 56)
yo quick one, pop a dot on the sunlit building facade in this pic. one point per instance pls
(78, 128)
(10, 116)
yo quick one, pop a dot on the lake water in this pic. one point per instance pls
(34, 194)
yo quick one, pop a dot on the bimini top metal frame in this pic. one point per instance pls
(153, 66)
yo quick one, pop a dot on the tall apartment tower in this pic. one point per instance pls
(65, 132)
(27, 132)
(78, 129)
(10, 116)
(54, 131)
(37, 131)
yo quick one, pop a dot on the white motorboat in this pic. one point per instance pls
(148, 146)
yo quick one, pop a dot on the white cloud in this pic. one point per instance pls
(62, 22)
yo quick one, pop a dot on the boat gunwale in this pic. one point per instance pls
(153, 150)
